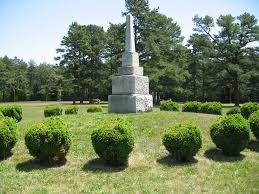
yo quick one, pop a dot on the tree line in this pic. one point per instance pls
(218, 63)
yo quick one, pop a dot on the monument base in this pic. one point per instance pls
(132, 103)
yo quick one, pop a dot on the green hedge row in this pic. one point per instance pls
(13, 111)
(206, 107)
(50, 111)
(198, 107)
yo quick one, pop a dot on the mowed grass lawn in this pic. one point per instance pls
(150, 169)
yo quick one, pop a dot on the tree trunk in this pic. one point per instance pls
(81, 95)
(14, 94)
(236, 92)
(230, 94)
(156, 98)
(4, 95)
(46, 97)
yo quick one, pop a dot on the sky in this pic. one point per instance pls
(33, 29)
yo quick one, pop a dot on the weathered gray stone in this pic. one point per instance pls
(130, 70)
(130, 39)
(130, 59)
(130, 103)
(130, 84)
(130, 89)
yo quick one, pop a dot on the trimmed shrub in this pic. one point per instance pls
(248, 108)
(235, 110)
(169, 105)
(231, 134)
(113, 141)
(95, 109)
(50, 111)
(14, 111)
(48, 141)
(254, 123)
(191, 106)
(182, 141)
(211, 108)
(71, 110)
(8, 135)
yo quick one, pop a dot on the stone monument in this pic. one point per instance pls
(130, 89)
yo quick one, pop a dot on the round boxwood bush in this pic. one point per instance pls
(8, 135)
(113, 141)
(248, 108)
(70, 110)
(235, 110)
(231, 134)
(50, 111)
(254, 123)
(169, 105)
(94, 109)
(14, 111)
(182, 141)
(48, 141)
(211, 108)
(191, 106)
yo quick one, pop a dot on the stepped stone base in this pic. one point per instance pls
(130, 70)
(130, 84)
(130, 103)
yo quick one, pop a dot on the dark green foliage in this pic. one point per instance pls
(248, 108)
(225, 59)
(95, 109)
(113, 141)
(14, 111)
(235, 110)
(231, 134)
(192, 107)
(182, 141)
(254, 123)
(211, 108)
(8, 135)
(70, 110)
(48, 141)
(169, 105)
(50, 111)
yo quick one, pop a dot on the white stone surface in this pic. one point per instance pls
(130, 38)
(130, 59)
(130, 103)
(130, 70)
(130, 84)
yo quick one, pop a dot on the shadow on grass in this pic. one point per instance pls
(9, 155)
(99, 165)
(35, 164)
(217, 155)
(253, 145)
(171, 161)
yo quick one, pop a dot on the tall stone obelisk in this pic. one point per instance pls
(130, 89)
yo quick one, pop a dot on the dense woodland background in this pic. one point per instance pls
(219, 63)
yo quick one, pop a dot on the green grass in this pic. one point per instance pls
(150, 168)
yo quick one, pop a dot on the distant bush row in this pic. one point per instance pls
(57, 111)
(198, 107)
(209, 107)
(13, 110)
